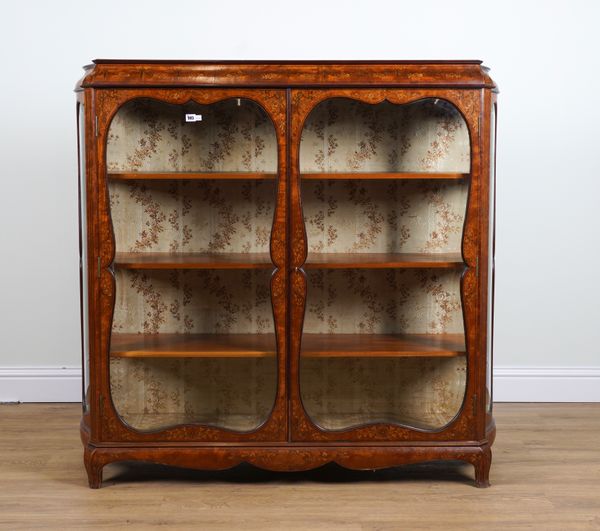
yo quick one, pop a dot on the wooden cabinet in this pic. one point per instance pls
(286, 263)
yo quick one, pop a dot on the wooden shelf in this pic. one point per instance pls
(383, 260)
(382, 345)
(192, 345)
(193, 261)
(263, 345)
(384, 175)
(161, 176)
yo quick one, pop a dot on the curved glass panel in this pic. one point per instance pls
(384, 193)
(83, 255)
(192, 195)
(491, 259)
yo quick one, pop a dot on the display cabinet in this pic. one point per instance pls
(286, 263)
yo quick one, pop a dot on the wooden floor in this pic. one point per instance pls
(545, 475)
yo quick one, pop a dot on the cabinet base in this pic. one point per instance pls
(287, 458)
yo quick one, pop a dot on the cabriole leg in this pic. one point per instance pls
(93, 468)
(482, 468)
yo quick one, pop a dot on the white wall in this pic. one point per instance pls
(542, 54)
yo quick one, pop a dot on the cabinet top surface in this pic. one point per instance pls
(289, 61)
(365, 73)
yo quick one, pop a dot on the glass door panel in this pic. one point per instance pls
(491, 260)
(83, 256)
(384, 194)
(192, 196)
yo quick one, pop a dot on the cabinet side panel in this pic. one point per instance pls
(486, 261)
(491, 257)
(83, 251)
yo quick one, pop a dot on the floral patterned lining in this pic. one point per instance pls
(361, 216)
(147, 135)
(389, 301)
(192, 216)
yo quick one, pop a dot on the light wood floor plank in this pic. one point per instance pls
(545, 475)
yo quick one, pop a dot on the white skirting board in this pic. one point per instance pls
(40, 384)
(546, 384)
(511, 384)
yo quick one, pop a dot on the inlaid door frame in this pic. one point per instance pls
(462, 428)
(108, 427)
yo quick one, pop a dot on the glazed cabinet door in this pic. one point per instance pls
(489, 199)
(191, 263)
(83, 142)
(384, 265)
